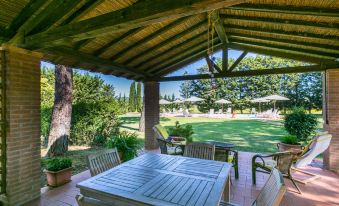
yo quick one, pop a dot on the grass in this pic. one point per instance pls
(249, 135)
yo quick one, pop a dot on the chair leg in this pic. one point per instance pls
(236, 166)
(254, 178)
(295, 184)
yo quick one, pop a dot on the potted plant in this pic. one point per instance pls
(58, 171)
(300, 126)
(179, 131)
(127, 144)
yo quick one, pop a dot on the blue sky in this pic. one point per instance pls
(122, 85)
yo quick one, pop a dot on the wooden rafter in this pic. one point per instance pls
(166, 42)
(211, 65)
(99, 62)
(282, 22)
(173, 59)
(288, 70)
(287, 9)
(160, 56)
(235, 64)
(184, 60)
(150, 37)
(287, 47)
(124, 36)
(131, 17)
(295, 42)
(219, 28)
(283, 53)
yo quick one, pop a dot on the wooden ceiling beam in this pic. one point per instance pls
(283, 53)
(281, 22)
(150, 37)
(140, 14)
(235, 64)
(194, 55)
(306, 51)
(292, 34)
(287, 9)
(295, 42)
(110, 44)
(219, 28)
(142, 65)
(84, 57)
(288, 70)
(197, 46)
(164, 43)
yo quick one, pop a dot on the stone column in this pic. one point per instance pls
(331, 118)
(152, 110)
(23, 173)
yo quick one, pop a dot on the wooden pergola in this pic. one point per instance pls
(145, 40)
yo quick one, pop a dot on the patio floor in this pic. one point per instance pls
(324, 191)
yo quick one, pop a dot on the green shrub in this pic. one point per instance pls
(57, 164)
(93, 123)
(127, 143)
(290, 139)
(300, 124)
(182, 131)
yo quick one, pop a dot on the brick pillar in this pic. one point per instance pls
(331, 118)
(23, 124)
(152, 110)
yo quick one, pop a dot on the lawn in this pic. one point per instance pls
(249, 135)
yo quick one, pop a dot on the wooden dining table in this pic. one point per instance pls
(157, 179)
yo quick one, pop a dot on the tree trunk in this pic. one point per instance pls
(142, 119)
(62, 112)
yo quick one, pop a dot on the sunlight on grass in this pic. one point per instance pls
(248, 135)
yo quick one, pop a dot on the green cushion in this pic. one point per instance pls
(162, 131)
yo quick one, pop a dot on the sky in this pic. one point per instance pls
(121, 85)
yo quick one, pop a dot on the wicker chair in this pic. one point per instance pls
(200, 150)
(272, 192)
(282, 161)
(167, 147)
(98, 163)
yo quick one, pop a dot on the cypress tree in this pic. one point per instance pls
(132, 98)
(138, 100)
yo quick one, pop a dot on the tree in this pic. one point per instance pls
(139, 100)
(132, 98)
(62, 112)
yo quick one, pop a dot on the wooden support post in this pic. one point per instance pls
(152, 113)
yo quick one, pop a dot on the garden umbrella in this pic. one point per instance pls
(275, 98)
(162, 101)
(222, 102)
(178, 101)
(193, 99)
(259, 100)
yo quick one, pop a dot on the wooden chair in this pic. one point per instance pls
(281, 160)
(232, 158)
(167, 147)
(98, 163)
(86, 201)
(272, 192)
(200, 150)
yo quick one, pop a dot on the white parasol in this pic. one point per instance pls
(275, 98)
(193, 99)
(222, 102)
(260, 100)
(163, 101)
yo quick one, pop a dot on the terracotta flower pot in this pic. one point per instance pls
(58, 178)
(297, 149)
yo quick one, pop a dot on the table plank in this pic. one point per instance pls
(155, 179)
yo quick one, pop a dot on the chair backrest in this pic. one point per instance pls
(284, 161)
(318, 145)
(272, 192)
(160, 131)
(163, 146)
(103, 161)
(200, 150)
(86, 201)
